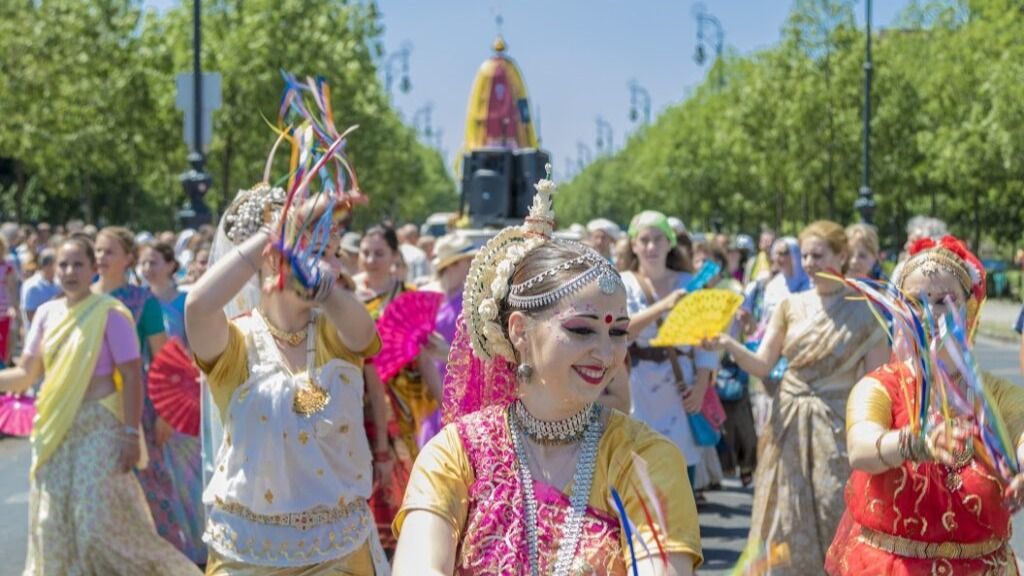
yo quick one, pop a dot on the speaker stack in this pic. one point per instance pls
(498, 184)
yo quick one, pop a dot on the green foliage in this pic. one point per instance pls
(947, 129)
(87, 91)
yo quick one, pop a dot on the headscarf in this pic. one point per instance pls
(652, 219)
(799, 280)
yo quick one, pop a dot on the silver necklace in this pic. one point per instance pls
(566, 431)
(582, 481)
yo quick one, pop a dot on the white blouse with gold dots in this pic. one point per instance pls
(291, 490)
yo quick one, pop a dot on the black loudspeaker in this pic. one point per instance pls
(529, 168)
(488, 196)
(487, 176)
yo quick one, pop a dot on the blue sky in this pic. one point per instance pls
(577, 56)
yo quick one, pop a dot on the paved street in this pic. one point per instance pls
(14, 463)
(724, 520)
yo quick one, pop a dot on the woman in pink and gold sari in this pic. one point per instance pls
(532, 475)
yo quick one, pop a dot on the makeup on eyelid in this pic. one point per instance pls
(567, 315)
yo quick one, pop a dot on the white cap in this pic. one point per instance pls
(676, 224)
(605, 225)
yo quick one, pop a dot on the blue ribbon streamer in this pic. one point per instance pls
(626, 525)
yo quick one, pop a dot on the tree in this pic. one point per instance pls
(89, 118)
(781, 141)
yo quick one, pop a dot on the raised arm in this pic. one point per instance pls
(350, 318)
(641, 320)
(757, 364)
(205, 321)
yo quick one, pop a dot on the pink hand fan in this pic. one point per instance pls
(16, 414)
(404, 327)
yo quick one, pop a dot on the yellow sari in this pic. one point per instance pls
(87, 515)
(72, 347)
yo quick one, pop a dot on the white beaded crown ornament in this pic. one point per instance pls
(491, 271)
(256, 207)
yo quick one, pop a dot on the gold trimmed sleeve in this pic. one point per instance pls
(1009, 400)
(229, 371)
(329, 345)
(439, 482)
(869, 402)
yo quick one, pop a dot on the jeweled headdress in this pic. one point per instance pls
(479, 366)
(488, 282)
(952, 256)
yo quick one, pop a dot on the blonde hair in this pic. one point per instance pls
(832, 233)
(125, 238)
(865, 235)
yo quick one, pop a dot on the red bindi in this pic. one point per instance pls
(608, 319)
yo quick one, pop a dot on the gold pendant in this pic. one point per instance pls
(310, 400)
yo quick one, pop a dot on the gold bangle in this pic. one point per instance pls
(878, 451)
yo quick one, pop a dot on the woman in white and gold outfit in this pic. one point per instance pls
(291, 478)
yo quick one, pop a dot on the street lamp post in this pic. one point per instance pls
(439, 140)
(399, 57)
(196, 181)
(421, 121)
(583, 154)
(604, 136)
(705, 18)
(640, 98)
(865, 203)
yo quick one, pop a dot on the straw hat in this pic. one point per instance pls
(350, 242)
(451, 248)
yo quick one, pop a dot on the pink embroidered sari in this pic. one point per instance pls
(494, 541)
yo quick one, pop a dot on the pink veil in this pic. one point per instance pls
(472, 384)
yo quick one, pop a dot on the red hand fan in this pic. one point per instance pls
(174, 387)
(16, 414)
(404, 327)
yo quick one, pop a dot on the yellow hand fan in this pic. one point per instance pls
(700, 315)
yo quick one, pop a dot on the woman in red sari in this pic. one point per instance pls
(926, 506)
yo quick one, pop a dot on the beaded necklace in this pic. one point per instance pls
(582, 481)
(567, 431)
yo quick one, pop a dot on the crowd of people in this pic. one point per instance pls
(536, 430)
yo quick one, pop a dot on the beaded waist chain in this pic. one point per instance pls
(916, 549)
(301, 521)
